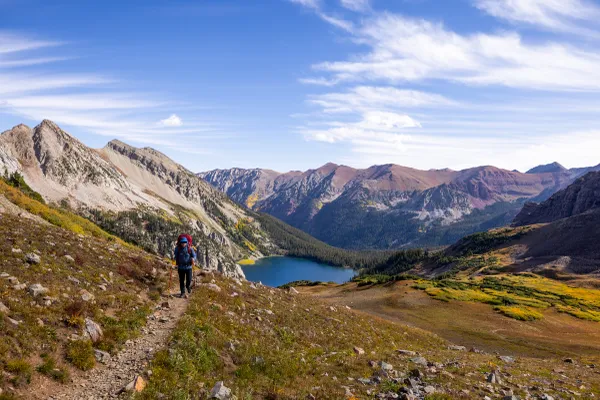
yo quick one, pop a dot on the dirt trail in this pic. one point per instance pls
(105, 381)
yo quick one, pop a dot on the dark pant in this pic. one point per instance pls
(185, 276)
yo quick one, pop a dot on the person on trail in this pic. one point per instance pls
(185, 258)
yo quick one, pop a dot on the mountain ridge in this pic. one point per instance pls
(132, 191)
(333, 202)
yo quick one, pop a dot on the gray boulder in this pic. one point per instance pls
(221, 392)
(37, 289)
(32, 258)
(93, 330)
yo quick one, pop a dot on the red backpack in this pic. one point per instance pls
(189, 239)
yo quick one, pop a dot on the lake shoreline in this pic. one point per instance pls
(279, 270)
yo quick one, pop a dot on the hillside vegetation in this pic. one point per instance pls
(265, 343)
(52, 281)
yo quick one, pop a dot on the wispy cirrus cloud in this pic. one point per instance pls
(368, 98)
(356, 5)
(84, 100)
(522, 127)
(555, 15)
(412, 50)
(316, 7)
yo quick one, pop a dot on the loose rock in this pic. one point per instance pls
(37, 289)
(93, 330)
(32, 258)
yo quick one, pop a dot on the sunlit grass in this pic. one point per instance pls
(516, 295)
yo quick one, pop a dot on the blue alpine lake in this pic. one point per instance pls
(277, 271)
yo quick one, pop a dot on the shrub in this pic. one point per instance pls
(80, 353)
(49, 368)
(520, 313)
(21, 370)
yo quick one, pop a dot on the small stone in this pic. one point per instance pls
(102, 356)
(429, 389)
(494, 378)
(359, 351)
(212, 286)
(37, 289)
(457, 348)
(17, 251)
(22, 286)
(102, 287)
(419, 360)
(293, 291)
(86, 296)
(136, 385)
(40, 322)
(12, 280)
(221, 392)
(385, 366)
(14, 322)
(3, 308)
(32, 258)
(165, 305)
(569, 361)
(93, 330)
(69, 258)
(507, 359)
(407, 352)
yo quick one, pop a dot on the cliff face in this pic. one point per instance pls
(136, 192)
(582, 196)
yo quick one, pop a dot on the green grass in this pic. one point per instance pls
(52, 370)
(305, 347)
(521, 297)
(21, 371)
(80, 353)
(519, 312)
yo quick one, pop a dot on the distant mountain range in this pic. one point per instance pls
(390, 206)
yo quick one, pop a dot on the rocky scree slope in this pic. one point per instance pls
(131, 192)
(390, 206)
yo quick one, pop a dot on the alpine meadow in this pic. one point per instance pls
(299, 199)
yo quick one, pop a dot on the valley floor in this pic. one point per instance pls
(466, 323)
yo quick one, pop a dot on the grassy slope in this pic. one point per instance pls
(469, 323)
(305, 347)
(44, 330)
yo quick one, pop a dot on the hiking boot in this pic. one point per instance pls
(189, 291)
(182, 296)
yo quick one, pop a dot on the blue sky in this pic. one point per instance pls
(293, 84)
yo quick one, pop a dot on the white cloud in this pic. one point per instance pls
(405, 50)
(173, 120)
(375, 126)
(559, 15)
(364, 98)
(356, 5)
(315, 6)
(86, 101)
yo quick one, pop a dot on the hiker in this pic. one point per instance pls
(185, 258)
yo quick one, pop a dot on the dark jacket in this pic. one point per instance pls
(184, 257)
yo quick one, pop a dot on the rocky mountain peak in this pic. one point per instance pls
(547, 168)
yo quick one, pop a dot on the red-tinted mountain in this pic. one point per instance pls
(389, 205)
